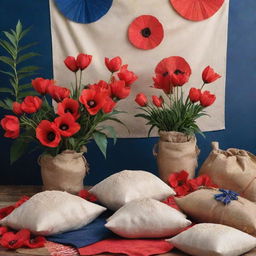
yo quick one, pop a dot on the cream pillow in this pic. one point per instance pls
(125, 186)
(213, 240)
(52, 212)
(144, 218)
(203, 207)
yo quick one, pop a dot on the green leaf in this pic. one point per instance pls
(8, 47)
(24, 32)
(9, 103)
(7, 73)
(11, 38)
(24, 75)
(3, 105)
(7, 60)
(27, 56)
(28, 69)
(25, 86)
(118, 121)
(14, 84)
(18, 148)
(18, 29)
(28, 93)
(4, 89)
(111, 132)
(26, 46)
(101, 141)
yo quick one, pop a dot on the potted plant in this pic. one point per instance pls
(64, 128)
(175, 116)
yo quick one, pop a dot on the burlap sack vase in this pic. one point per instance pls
(174, 152)
(64, 172)
(233, 169)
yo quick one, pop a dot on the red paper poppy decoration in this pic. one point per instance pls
(196, 10)
(146, 32)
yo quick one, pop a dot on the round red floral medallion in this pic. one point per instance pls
(197, 10)
(146, 32)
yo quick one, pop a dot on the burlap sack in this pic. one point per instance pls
(176, 151)
(233, 169)
(64, 172)
(203, 207)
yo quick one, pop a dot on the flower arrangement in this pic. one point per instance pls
(79, 113)
(175, 113)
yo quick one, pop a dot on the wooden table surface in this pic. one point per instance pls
(11, 194)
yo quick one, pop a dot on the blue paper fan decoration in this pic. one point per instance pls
(84, 11)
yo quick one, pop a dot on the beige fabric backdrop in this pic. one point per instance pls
(200, 43)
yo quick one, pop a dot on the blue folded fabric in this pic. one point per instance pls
(89, 234)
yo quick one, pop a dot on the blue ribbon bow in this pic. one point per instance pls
(226, 196)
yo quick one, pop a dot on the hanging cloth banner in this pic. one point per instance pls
(201, 43)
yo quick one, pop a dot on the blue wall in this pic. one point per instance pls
(137, 153)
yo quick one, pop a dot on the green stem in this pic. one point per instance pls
(202, 86)
(76, 89)
(80, 81)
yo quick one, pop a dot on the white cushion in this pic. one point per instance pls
(53, 212)
(147, 218)
(213, 240)
(125, 186)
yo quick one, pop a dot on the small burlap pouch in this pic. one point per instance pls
(233, 169)
(64, 172)
(203, 207)
(174, 152)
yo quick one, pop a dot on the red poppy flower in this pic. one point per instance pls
(15, 241)
(108, 105)
(69, 105)
(119, 90)
(3, 230)
(157, 101)
(83, 60)
(114, 64)
(31, 104)
(67, 125)
(16, 108)
(163, 83)
(101, 86)
(128, 76)
(141, 100)
(71, 63)
(146, 32)
(58, 93)
(47, 133)
(196, 10)
(203, 180)
(41, 85)
(171, 202)
(93, 100)
(176, 68)
(6, 211)
(194, 95)
(178, 181)
(11, 125)
(85, 194)
(36, 242)
(209, 75)
(207, 99)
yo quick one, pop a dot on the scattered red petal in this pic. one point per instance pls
(3, 230)
(36, 242)
(85, 194)
(171, 202)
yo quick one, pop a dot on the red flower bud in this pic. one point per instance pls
(119, 89)
(141, 99)
(83, 60)
(31, 104)
(209, 75)
(11, 125)
(207, 99)
(194, 94)
(128, 76)
(114, 64)
(41, 85)
(58, 93)
(158, 101)
(71, 64)
(16, 107)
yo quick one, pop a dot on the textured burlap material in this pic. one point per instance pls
(64, 172)
(176, 151)
(201, 206)
(233, 169)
